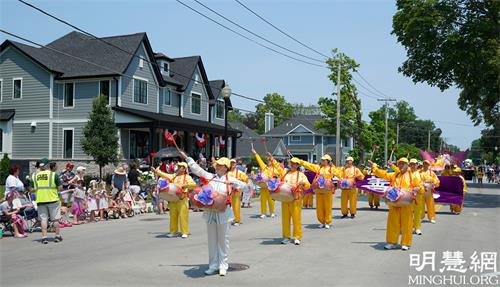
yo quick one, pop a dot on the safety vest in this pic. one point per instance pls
(45, 186)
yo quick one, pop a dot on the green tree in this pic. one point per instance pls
(276, 104)
(454, 43)
(235, 115)
(100, 134)
(4, 168)
(407, 150)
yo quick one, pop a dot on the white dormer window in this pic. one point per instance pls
(141, 62)
(165, 68)
(196, 78)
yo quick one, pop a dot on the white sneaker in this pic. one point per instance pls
(210, 271)
(263, 216)
(236, 224)
(405, 248)
(171, 235)
(184, 236)
(389, 246)
(433, 221)
(321, 226)
(327, 226)
(285, 241)
(296, 241)
(222, 272)
(418, 232)
(273, 215)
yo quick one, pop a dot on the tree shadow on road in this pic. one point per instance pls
(374, 245)
(476, 200)
(269, 241)
(194, 271)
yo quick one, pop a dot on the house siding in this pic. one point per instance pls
(198, 88)
(85, 93)
(34, 103)
(127, 98)
(58, 140)
(173, 108)
(303, 140)
(30, 143)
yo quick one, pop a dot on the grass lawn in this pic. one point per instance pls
(2, 190)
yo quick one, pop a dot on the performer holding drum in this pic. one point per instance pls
(218, 222)
(323, 187)
(178, 206)
(400, 218)
(266, 172)
(430, 181)
(419, 198)
(296, 181)
(236, 194)
(347, 179)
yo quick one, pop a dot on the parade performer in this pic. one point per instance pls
(265, 196)
(179, 210)
(373, 199)
(419, 198)
(308, 200)
(430, 179)
(292, 210)
(236, 194)
(400, 219)
(348, 175)
(455, 171)
(323, 200)
(217, 222)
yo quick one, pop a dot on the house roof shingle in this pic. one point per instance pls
(244, 148)
(288, 125)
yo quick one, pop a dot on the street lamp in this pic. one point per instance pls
(226, 94)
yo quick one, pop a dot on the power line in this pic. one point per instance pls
(123, 50)
(366, 81)
(256, 35)
(280, 30)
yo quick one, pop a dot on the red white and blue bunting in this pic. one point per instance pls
(201, 139)
(170, 136)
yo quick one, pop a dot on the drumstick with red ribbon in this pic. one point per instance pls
(394, 148)
(251, 143)
(375, 148)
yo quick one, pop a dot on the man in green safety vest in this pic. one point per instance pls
(47, 183)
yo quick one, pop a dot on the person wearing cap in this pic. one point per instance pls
(456, 171)
(292, 210)
(323, 200)
(66, 176)
(236, 194)
(47, 184)
(349, 195)
(179, 210)
(119, 179)
(400, 219)
(265, 195)
(419, 198)
(427, 175)
(217, 222)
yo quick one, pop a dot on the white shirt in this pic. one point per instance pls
(13, 183)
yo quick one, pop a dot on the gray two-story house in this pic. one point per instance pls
(46, 95)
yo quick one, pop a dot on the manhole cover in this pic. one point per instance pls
(151, 219)
(238, 267)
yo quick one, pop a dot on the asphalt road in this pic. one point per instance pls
(135, 251)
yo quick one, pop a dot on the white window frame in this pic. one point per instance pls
(13, 88)
(191, 100)
(109, 90)
(133, 90)
(64, 96)
(294, 140)
(223, 111)
(72, 143)
(141, 62)
(169, 95)
(163, 67)
(196, 79)
(1, 89)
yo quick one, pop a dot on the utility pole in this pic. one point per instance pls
(429, 140)
(386, 100)
(337, 136)
(397, 134)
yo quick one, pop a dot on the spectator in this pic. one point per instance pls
(67, 176)
(13, 185)
(8, 212)
(134, 180)
(119, 178)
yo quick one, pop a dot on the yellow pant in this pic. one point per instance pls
(324, 207)
(308, 200)
(179, 211)
(418, 209)
(236, 204)
(373, 199)
(293, 211)
(400, 220)
(265, 199)
(429, 205)
(456, 208)
(351, 196)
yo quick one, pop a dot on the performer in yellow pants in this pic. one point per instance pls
(400, 219)
(323, 200)
(236, 195)
(419, 199)
(373, 200)
(308, 200)
(455, 171)
(265, 196)
(430, 179)
(349, 195)
(292, 210)
(179, 211)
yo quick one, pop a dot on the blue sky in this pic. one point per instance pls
(358, 28)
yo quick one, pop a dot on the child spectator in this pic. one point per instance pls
(78, 208)
(9, 213)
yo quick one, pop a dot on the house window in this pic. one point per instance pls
(195, 104)
(219, 109)
(140, 91)
(296, 138)
(17, 92)
(167, 97)
(104, 89)
(69, 95)
(196, 78)
(165, 68)
(68, 144)
(139, 144)
(141, 62)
